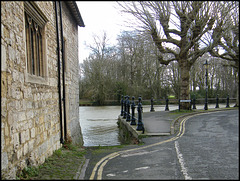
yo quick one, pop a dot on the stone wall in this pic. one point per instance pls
(30, 122)
(128, 133)
(72, 75)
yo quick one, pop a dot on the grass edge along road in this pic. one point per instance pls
(63, 164)
(100, 164)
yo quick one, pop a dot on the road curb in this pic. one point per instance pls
(82, 169)
(173, 123)
(139, 134)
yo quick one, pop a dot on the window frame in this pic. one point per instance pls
(35, 44)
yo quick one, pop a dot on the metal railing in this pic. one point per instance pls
(126, 104)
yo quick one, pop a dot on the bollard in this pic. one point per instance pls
(122, 102)
(125, 108)
(194, 102)
(217, 106)
(227, 101)
(128, 109)
(166, 108)
(140, 126)
(152, 109)
(133, 120)
(179, 104)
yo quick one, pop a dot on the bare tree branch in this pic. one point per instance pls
(184, 24)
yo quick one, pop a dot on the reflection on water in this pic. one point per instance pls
(99, 125)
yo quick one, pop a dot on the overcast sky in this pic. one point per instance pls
(98, 16)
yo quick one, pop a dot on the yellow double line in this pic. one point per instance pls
(105, 159)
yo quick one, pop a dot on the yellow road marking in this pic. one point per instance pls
(98, 163)
(105, 159)
(100, 170)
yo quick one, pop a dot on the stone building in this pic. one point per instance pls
(39, 81)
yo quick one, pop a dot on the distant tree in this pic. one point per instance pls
(99, 70)
(180, 29)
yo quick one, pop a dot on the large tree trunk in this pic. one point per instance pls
(184, 84)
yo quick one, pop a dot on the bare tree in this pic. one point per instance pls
(181, 29)
(228, 44)
(98, 70)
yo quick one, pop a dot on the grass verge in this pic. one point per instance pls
(62, 165)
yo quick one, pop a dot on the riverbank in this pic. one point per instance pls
(84, 102)
(94, 103)
(118, 103)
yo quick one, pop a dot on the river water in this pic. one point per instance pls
(99, 123)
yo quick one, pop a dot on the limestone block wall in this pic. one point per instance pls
(30, 123)
(70, 35)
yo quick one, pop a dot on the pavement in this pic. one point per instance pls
(158, 123)
(164, 123)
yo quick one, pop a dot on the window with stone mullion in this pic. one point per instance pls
(34, 47)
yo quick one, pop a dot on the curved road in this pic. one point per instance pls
(207, 147)
(210, 146)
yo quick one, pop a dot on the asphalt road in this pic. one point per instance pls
(207, 147)
(210, 146)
